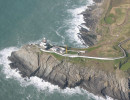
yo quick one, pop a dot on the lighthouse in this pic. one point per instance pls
(44, 44)
(44, 40)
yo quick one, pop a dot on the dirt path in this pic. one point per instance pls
(99, 58)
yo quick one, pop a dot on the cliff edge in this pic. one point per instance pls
(31, 61)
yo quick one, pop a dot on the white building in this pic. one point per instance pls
(44, 43)
(55, 49)
(62, 50)
(58, 49)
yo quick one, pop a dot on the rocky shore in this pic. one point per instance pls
(31, 61)
(91, 18)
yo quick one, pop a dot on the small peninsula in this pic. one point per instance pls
(102, 69)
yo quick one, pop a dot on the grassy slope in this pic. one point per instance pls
(113, 27)
(84, 62)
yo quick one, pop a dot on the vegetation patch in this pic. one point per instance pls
(78, 60)
(110, 19)
(92, 48)
(86, 62)
(58, 57)
(126, 66)
(71, 52)
(120, 15)
(112, 34)
(124, 63)
(119, 11)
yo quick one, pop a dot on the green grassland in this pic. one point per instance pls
(110, 19)
(113, 27)
(85, 62)
(72, 52)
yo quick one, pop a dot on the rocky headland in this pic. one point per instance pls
(31, 61)
(92, 15)
(94, 76)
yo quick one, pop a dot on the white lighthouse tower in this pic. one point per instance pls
(44, 43)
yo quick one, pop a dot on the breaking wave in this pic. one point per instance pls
(37, 82)
(75, 22)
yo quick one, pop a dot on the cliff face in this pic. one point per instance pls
(91, 18)
(32, 62)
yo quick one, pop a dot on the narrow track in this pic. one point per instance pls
(99, 58)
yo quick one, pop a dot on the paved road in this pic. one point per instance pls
(100, 58)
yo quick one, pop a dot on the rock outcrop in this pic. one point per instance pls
(91, 18)
(33, 62)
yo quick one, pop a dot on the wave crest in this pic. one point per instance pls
(37, 82)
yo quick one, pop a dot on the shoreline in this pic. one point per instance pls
(88, 77)
(39, 83)
(88, 35)
(64, 73)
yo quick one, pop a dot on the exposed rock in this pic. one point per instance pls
(97, 1)
(91, 18)
(32, 62)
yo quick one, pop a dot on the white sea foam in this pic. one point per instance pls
(5, 62)
(63, 38)
(35, 81)
(75, 22)
(57, 31)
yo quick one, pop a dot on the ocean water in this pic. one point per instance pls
(28, 21)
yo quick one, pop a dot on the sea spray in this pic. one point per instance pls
(23, 29)
(40, 84)
(76, 22)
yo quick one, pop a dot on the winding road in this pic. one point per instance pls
(99, 58)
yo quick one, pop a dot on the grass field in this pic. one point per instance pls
(72, 52)
(117, 21)
(126, 66)
(110, 19)
(113, 27)
(84, 62)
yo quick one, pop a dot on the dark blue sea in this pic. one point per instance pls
(28, 21)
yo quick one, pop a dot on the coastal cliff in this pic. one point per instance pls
(102, 78)
(92, 15)
(31, 61)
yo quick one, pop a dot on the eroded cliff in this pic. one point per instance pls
(31, 61)
(92, 16)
